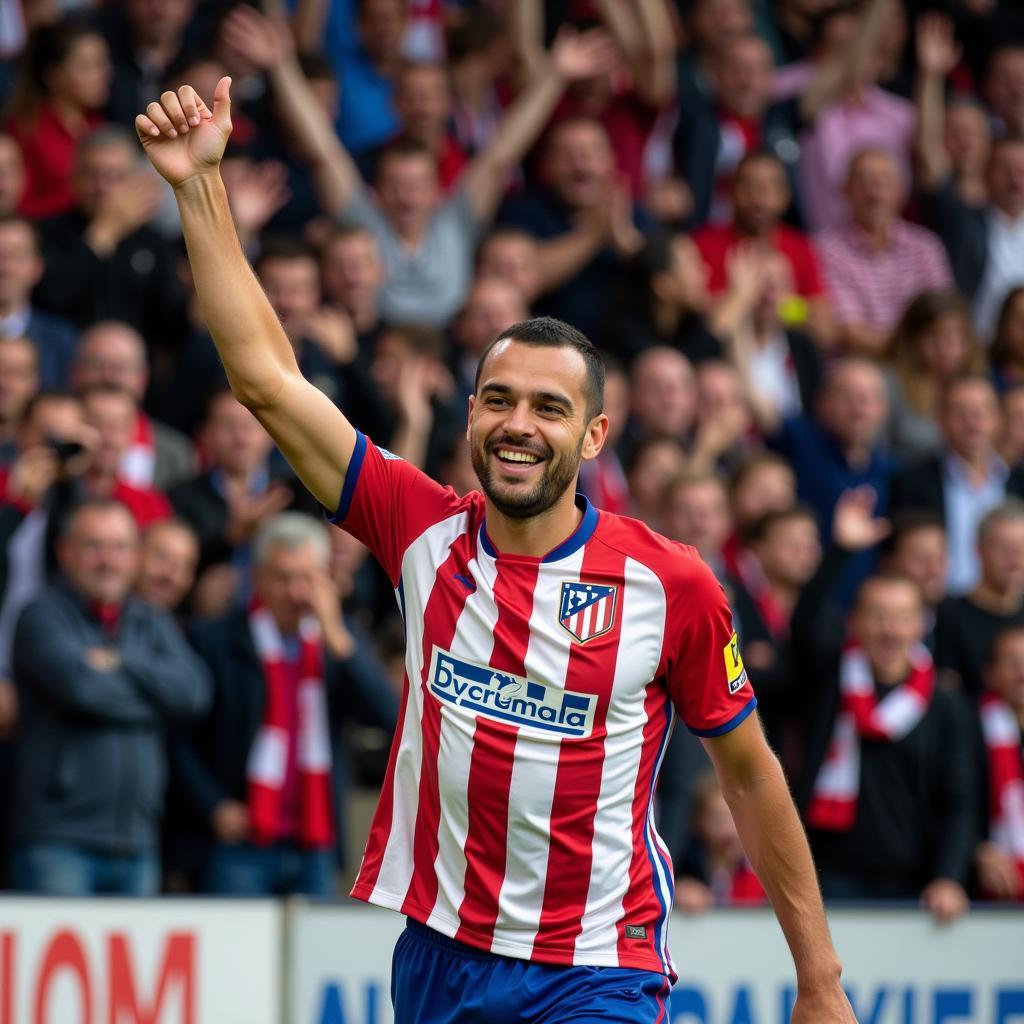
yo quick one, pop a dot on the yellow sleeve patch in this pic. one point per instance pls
(735, 673)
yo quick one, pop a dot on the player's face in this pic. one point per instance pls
(528, 427)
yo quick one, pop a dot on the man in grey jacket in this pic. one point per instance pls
(99, 674)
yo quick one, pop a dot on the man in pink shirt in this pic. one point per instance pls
(878, 262)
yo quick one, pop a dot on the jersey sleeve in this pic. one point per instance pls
(387, 503)
(706, 678)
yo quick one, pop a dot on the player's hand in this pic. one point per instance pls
(182, 137)
(827, 1005)
(945, 899)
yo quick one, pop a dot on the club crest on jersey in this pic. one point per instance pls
(587, 610)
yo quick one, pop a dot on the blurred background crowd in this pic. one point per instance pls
(794, 227)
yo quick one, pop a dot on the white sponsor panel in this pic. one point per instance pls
(111, 961)
(900, 967)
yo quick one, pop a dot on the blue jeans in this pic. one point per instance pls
(282, 869)
(65, 869)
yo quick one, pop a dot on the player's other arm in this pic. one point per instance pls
(185, 141)
(774, 840)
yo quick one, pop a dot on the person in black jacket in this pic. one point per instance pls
(240, 489)
(99, 675)
(104, 261)
(251, 827)
(889, 785)
(967, 479)
(966, 626)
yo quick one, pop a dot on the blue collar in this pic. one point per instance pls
(571, 544)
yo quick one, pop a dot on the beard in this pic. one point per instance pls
(515, 502)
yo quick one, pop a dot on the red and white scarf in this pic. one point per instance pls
(1001, 730)
(269, 757)
(138, 463)
(861, 715)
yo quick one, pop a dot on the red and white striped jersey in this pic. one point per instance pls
(540, 693)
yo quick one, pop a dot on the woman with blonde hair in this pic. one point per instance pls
(933, 342)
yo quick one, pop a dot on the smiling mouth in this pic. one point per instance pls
(516, 458)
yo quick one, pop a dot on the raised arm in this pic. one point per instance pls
(833, 77)
(269, 44)
(774, 840)
(937, 55)
(185, 142)
(573, 56)
(646, 36)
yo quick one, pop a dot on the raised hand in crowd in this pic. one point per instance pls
(256, 191)
(333, 332)
(937, 54)
(745, 280)
(32, 474)
(420, 380)
(854, 525)
(260, 39)
(126, 208)
(612, 219)
(246, 512)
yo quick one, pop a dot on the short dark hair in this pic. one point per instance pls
(908, 522)
(16, 220)
(402, 149)
(885, 579)
(87, 505)
(45, 395)
(547, 332)
(764, 524)
(283, 247)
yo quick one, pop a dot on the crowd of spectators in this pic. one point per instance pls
(795, 229)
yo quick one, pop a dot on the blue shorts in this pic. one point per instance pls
(436, 980)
